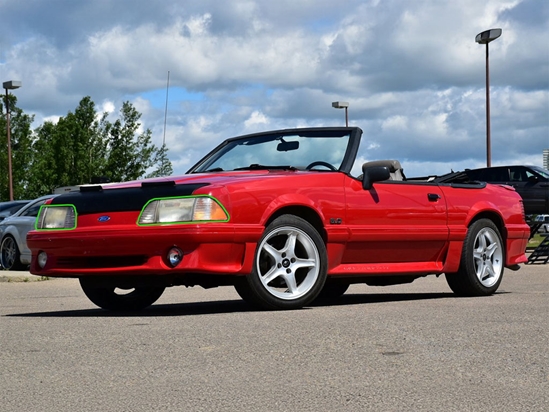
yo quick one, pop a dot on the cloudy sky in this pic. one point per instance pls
(411, 71)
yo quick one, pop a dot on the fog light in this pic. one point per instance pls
(42, 259)
(175, 256)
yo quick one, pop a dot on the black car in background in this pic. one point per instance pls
(531, 182)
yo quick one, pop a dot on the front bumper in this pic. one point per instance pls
(207, 248)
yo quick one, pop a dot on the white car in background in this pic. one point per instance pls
(14, 253)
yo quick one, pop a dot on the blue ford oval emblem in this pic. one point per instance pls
(104, 218)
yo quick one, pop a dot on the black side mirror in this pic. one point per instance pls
(374, 174)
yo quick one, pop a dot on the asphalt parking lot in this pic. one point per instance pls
(402, 348)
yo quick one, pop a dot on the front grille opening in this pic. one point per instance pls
(99, 262)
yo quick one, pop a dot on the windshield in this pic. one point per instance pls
(541, 171)
(319, 150)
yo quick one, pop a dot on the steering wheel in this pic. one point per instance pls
(320, 163)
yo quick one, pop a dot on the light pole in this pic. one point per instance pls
(343, 105)
(484, 38)
(11, 85)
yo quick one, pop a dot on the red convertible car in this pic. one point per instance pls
(281, 217)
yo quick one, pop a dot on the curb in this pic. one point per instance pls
(20, 276)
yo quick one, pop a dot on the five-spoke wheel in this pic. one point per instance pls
(289, 267)
(482, 261)
(10, 255)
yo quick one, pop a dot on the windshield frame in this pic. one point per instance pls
(355, 134)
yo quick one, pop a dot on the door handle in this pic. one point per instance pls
(433, 197)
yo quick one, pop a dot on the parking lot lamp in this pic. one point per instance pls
(484, 38)
(343, 105)
(10, 85)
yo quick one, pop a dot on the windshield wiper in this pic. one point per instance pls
(255, 166)
(213, 169)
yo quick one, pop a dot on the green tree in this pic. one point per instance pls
(77, 148)
(43, 170)
(162, 163)
(69, 152)
(85, 148)
(129, 154)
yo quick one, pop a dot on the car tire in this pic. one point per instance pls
(482, 261)
(10, 257)
(110, 297)
(290, 266)
(245, 292)
(332, 290)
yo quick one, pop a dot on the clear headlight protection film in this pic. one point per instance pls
(187, 209)
(56, 217)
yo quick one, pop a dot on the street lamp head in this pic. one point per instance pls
(487, 36)
(11, 85)
(343, 105)
(340, 105)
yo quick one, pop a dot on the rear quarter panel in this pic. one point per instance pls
(501, 204)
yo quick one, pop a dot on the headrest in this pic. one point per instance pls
(392, 165)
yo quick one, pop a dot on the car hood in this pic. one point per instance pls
(134, 195)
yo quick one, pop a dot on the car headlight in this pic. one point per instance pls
(182, 210)
(56, 217)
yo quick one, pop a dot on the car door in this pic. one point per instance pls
(399, 225)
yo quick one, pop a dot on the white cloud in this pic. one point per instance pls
(411, 71)
(255, 119)
(395, 123)
(107, 107)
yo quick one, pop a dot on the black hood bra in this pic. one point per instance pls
(95, 199)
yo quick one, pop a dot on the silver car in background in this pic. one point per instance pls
(14, 253)
(9, 208)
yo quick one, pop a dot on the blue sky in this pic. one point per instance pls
(411, 71)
